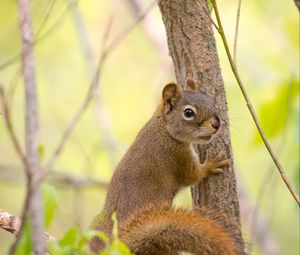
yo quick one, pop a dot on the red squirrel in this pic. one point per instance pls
(157, 165)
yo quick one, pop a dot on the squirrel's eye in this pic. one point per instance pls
(189, 113)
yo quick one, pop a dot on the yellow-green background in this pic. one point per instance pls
(268, 60)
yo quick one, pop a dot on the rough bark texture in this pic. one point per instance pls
(193, 50)
(12, 224)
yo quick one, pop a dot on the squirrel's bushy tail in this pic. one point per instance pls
(161, 230)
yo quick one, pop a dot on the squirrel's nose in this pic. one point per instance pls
(215, 122)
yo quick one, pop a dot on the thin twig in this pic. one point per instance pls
(251, 109)
(56, 23)
(126, 32)
(208, 15)
(57, 177)
(236, 31)
(102, 118)
(264, 237)
(91, 92)
(269, 173)
(84, 41)
(45, 18)
(18, 74)
(10, 128)
(68, 131)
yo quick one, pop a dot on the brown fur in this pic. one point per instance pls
(160, 230)
(161, 161)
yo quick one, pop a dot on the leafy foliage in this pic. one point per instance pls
(278, 108)
(74, 240)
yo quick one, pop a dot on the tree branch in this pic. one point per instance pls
(10, 128)
(263, 236)
(33, 201)
(236, 31)
(75, 181)
(58, 177)
(103, 121)
(12, 224)
(251, 109)
(91, 91)
(39, 37)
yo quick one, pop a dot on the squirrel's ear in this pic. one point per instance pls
(190, 85)
(171, 93)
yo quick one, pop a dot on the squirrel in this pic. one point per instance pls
(159, 163)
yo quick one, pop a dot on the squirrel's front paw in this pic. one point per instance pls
(215, 165)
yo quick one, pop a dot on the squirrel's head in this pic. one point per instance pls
(190, 116)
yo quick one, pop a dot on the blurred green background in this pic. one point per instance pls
(70, 35)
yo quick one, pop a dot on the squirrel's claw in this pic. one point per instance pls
(217, 170)
(216, 164)
(222, 163)
(220, 155)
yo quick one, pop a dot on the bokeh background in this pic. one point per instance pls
(69, 37)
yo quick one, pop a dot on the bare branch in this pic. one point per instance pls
(91, 92)
(10, 129)
(102, 118)
(57, 177)
(126, 32)
(149, 26)
(236, 31)
(45, 18)
(12, 224)
(251, 109)
(68, 131)
(263, 235)
(83, 39)
(266, 181)
(33, 200)
(9, 222)
(40, 38)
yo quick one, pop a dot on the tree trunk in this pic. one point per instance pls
(193, 50)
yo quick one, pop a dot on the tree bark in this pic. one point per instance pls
(193, 50)
(12, 224)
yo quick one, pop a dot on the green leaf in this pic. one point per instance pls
(70, 237)
(120, 247)
(210, 5)
(50, 203)
(88, 235)
(41, 150)
(275, 110)
(54, 248)
(25, 245)
(115, 225)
